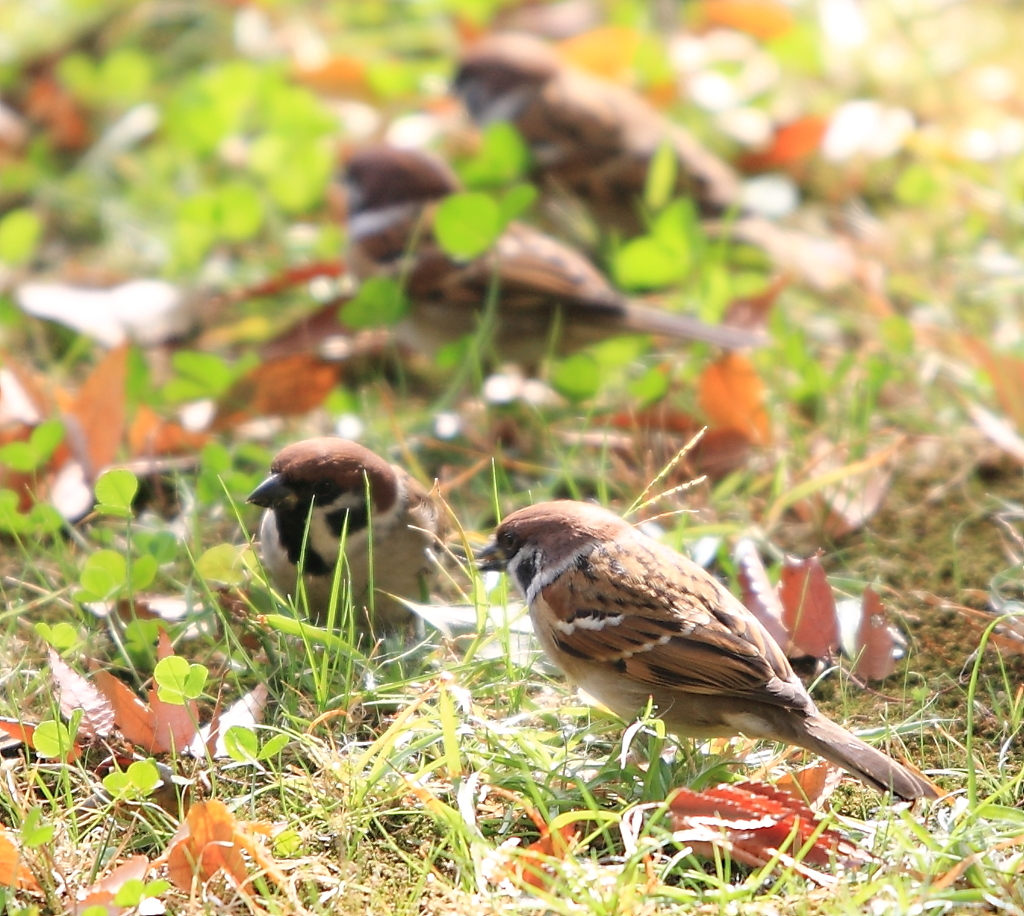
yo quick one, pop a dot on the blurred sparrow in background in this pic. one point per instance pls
(326, 491)
(593, 141)
(627, 619)
(547, 293)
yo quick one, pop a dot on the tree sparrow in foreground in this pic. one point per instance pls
(337, 489)
(543, 285)
(595, 139)
(628, 619)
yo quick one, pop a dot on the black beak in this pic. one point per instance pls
(491, 558)
(272, 492)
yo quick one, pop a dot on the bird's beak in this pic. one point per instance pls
(491, 558)
(272, 492)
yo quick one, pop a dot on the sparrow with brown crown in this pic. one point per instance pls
(594, 140)
(327, 491)
(547, 291)
(588, 136)
(628, 619)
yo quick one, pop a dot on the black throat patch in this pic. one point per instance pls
(291, 529)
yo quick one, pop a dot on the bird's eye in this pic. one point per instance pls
(322, 488)
(507, 540)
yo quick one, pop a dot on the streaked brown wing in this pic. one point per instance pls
(682, 631)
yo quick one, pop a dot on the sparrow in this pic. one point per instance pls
(327, 492)
(593, 140)
(630, 620)
(547, 291)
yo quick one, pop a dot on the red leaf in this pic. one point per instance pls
(791, 144)
(809, 608)
(876, 640)
(758, 595)
(754, 823)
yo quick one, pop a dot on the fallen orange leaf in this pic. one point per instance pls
(607, 51)
(792, 143)
(764, 19)
(99, 409)
(732, 395)
(12, 872)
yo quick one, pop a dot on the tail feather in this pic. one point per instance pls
(643, 319)
(868, 764)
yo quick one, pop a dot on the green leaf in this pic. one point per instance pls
(20, 231)
(467, 224)
(661, 176)
(129, 894)
(380, 301)
(650, 387)
(46, 437)
(34, 830)
(646, 263)
(19, 456)
(239, 211)
(124, 76)
(516, 201)
(577, 377)
(178, 681)
(222, 563)
(104, 574)
(61, 635)
(201, 375)
(273, 747)
(241, 744)
(503, 157)
(115, 490)
(143, 572)
(51, 739)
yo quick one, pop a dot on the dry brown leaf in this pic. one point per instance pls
(751, 312)
(732, 395)
(211, 840)
(98, 411)
(808, 608)
(287, 386)
(51, 105)
(876, 640)
(205, 845)
(150, 435)
(78, 693)
(1007, 375)
(134, 718)
(103, 892)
